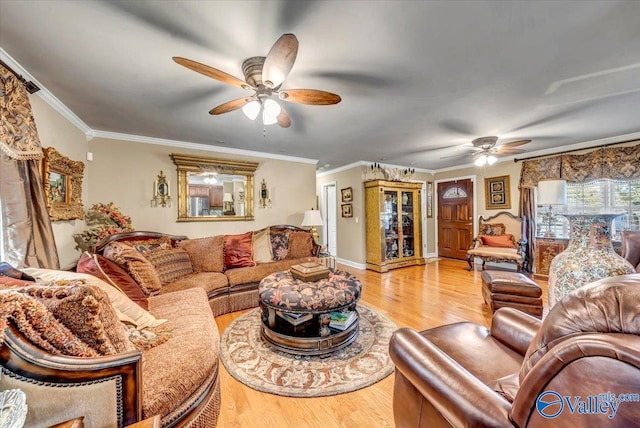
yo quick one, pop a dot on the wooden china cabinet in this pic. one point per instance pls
(393, 220)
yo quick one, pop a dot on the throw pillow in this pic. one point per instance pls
(151, 244)
(39, 326)
(171, 264)
(206, 254)
(136, 265)
(112, 274)
(493, 229)
(279, 244)
(126, 310)
(504, 241)
(238, 250)
(262, 247)
(86, 311)
(300, 245)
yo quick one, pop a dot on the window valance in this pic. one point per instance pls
(615, 163)
(18, 134)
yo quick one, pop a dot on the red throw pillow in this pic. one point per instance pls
(505, 241)
(114, 275)
(238, 250)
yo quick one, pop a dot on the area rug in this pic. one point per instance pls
(260, 366)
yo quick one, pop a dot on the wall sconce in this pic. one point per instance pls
(161, 194)
(265, 197)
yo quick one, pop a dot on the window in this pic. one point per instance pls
(596, 197)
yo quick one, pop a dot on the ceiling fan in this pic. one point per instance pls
(264, 76)
(486, 151)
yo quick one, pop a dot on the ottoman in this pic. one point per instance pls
(513, 290)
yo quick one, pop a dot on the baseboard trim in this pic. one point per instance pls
(349, 263)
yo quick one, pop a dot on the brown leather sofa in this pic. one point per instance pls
(525, 372)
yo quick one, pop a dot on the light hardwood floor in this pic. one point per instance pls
(420, 297)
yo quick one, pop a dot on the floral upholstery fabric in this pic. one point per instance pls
(281, 291)
(493, 229)
(279, 245)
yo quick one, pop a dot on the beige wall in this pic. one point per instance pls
(56, 131)
(351, 230)
(123, 172)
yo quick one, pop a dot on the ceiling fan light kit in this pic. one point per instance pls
(264, 76)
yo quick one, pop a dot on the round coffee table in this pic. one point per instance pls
(284, 300)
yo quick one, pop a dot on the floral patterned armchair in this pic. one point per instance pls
(501, 239)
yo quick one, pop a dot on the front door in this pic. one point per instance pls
(455, 218)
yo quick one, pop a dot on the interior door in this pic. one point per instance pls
(331, 220)
(455, 218)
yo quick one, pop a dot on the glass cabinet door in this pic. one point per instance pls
(408, 244)
(389, 220)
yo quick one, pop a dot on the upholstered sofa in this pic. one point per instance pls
(501, 239)
(65, 345)
(174, 370)
(525, 372)
(229, 275)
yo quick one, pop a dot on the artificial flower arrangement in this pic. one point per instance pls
(103, 220)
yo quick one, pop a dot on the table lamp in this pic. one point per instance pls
(552, 193)
(312, 218)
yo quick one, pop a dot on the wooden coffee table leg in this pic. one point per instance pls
(325, 319)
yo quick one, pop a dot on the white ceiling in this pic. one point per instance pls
(418, 79)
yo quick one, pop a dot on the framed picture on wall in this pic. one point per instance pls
(496, 193)
(346, 210)
(347, 194)
(62, 186)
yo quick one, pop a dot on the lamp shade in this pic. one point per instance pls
(227, 197)
(312, 218)
(552, 192)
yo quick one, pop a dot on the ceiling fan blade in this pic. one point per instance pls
(283, 118)
(508, 151)
(279, 60)
(309, 96)
(231, 105)
(211, 72)
(515, 143)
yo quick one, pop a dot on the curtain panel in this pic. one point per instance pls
(27, 235)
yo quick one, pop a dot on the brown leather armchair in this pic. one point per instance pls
(523, 369)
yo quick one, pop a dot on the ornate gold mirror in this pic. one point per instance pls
(214, 189)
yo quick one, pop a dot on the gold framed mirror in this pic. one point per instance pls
(212, 189)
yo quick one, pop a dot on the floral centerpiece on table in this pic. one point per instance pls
(103, 220)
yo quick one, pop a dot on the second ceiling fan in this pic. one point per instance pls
(264, 76)
(485, 150)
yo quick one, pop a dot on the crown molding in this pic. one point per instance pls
(198, 146)
(46, 95)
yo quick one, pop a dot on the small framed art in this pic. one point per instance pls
(346, 210)
(347, 194)
(496, 193)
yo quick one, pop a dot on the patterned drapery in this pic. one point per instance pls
(18, 134)
(615, 163)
